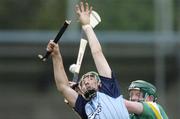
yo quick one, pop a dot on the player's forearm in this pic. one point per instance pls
(59, 73)
(96, 50)
(62, 80)
(92, 39)
(134, 107)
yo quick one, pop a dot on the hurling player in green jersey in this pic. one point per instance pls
(146, 107)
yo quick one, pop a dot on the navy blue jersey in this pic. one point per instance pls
(109, 87)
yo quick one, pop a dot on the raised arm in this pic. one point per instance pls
(60, 74)
(83, 12)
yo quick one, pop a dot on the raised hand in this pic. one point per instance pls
(53, 48)
(83, 13)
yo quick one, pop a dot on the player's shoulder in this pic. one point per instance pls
(80, 106)
(147, 110)
(148, 105)
(109, 81)
(151, 104)
(153, 109)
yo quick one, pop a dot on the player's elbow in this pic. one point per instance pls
(60, 88)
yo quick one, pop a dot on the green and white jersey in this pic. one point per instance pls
(150, 111)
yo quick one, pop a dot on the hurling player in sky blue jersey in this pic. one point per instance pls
(99, 97)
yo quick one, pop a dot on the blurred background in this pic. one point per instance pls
(140, 38)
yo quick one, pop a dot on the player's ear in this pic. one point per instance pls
(99, 84)
(151, 98)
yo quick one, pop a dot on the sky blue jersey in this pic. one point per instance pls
(107, 104)
(105, 107)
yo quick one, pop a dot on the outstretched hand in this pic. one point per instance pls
(83, 12)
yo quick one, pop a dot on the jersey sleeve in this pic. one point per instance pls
(163, 113)
(80, 107)
(110, 86)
